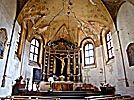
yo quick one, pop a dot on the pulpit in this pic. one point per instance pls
(62, 86)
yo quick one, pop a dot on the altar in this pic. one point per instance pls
(62, 86)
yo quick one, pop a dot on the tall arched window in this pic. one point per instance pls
(88, 54)
(109, 45)
(34, 50)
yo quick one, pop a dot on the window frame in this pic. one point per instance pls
(89, 56)
(34, 53)
(17, 46)
(109, 49)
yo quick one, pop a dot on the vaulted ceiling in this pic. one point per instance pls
(112, 5)
(71, 20)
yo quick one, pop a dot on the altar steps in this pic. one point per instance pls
(61, 97)
(81, 92)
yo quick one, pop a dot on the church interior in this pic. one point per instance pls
(54, 49)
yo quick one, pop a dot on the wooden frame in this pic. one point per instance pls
(3, 40)
(130, 54)
(37, 75)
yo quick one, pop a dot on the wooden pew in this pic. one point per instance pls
(33, 97)
(95, 98)
(104, 97)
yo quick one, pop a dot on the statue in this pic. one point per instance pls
(62, 63)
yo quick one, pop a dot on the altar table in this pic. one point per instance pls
(62, 86)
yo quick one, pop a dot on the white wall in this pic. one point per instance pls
(7, 16)
(125, 26)
(114, 68)
(27, 68)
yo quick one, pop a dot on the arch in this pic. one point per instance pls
(47, 14)
(41, 47)
(85, 41)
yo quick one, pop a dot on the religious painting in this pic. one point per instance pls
(3, 40)
(36, 75)
(130, 53)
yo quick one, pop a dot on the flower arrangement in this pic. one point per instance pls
(62, 78)
(18, 80)
(107, 89)
(103, 84)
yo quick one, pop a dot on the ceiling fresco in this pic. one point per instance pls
(112, 5)
(71, 20)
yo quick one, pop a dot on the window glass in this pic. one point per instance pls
(91, 60)
(31, 56)
(34, 50)
(86, 53)
(89, 54)
(109, 45)
(37, 43)
(17, 42)
(91, 46)
(108, 38)
(33, 42)
(35, 58)
(86, 47)
(110, 53)
(86, 61)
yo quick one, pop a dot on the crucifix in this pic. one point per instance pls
(62, 63)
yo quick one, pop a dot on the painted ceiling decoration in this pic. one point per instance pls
(113, 7)
(70, 20)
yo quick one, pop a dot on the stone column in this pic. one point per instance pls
(54, 68)
(68, 68)
(48, 65)
(23, 37)
(43, 67)
(74, 61)
(79, 67)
